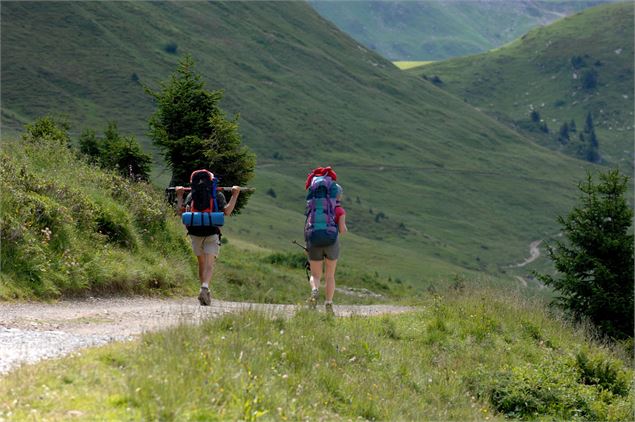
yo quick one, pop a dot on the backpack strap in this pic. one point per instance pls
(214, 184)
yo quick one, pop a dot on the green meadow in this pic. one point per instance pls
(468, 355)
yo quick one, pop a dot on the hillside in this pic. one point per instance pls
(434, 188)
(552, 70)
(437, 30)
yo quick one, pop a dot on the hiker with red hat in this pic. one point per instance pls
(206, 208)
(325, 221)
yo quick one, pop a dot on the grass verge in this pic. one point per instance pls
(469, 356)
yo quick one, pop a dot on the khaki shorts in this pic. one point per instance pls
(205, 245)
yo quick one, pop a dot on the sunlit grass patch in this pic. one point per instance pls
(403, 65)
(469, 356)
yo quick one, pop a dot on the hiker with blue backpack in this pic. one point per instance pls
(203, 213)
(325, 221)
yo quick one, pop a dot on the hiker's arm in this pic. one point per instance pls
(232, 201)
(179, 200)
(341, 225)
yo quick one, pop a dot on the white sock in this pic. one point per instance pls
(314, 290)
(328, 302)
(206, 285)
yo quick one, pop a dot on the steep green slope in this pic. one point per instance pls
(434, 187)
(437, 30)
(69, 228)
(545, 70)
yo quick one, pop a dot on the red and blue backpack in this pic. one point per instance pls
(320, 228)
(204, 217)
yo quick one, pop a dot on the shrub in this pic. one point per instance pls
(47, 129)
(170, 48)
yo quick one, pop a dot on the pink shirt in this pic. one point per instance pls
(339, 211)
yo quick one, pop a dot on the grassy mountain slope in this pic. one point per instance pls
(471, 356)
(544, 70)
(434, 187)
(69, 228)
(437, 30)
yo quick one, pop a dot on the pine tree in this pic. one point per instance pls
(588, 123)
(193, 133)
(563, 135)
(595, 265)
(572, 127)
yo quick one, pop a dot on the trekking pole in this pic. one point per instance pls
(219, 188)
(307, 265)
(170, 192)
(296, 243)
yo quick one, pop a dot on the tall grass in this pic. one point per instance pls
(69, 228)
(468, 356)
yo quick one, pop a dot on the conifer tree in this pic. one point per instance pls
(193, 133)
(595, 264)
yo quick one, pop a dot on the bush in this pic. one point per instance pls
(554, 388)
(170, 48)
(589, 79)
(47, 129)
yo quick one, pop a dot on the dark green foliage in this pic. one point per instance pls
(534, 116)
(577, 62)
(589, 79)
(563, 388)
(193, 133)
(116, 152)
(595, 264)
(170, 48)
(436, 80)
(588, 123)
(47, 129)
(605, 373)
(589, 148)
(563, 135)
(89, 145)
(572, 126)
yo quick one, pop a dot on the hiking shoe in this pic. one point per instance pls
(312, 301)
(328, 307)
(204, 297)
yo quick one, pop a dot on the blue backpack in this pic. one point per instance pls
(320, 228)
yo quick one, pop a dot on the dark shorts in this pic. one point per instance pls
(317, 253)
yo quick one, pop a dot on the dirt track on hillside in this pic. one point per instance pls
(33, 331)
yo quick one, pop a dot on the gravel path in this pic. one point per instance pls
(33, 331)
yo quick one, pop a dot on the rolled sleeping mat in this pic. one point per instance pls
(198, 219)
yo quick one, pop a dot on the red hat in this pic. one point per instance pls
(320, 171)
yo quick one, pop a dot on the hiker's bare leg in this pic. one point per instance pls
(206, 264)
(329, 279)
(316, 274)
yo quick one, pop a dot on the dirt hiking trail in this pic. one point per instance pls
(30, 332)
